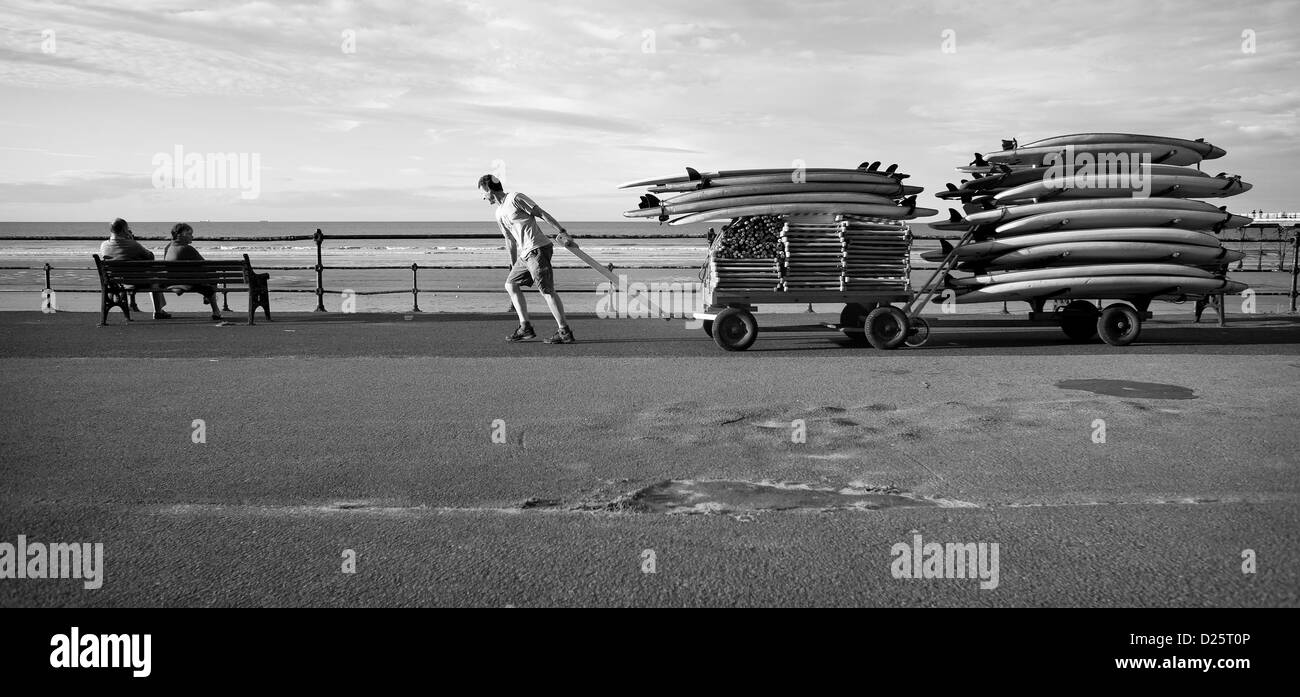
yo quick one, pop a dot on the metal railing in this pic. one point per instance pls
(1281, 243)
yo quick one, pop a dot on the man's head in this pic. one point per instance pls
(490, 187)
(183, 233)
(120, 228)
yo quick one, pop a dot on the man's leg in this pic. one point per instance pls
(517, 299)
(557, 308)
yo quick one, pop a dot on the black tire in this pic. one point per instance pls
(708, 327)
(1119, 325)
(1079, 320)
(886, 327)
(918, 333)
(855, 315)
(735, 329)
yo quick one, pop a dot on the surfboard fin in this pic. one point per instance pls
(1010, 144)
(891, 169)
(910, 203)
(954, 216)
(874, 166)
(649, 201)
(946, 247)
(979, 161)
(693, 174)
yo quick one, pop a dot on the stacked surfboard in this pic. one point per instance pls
(839, 228)
(1095, 215)
(727, 194)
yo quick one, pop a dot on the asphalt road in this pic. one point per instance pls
(462, 470)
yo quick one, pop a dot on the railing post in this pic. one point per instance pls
(320, 272)
(47, 276)
(1295, 263)
(415, 288)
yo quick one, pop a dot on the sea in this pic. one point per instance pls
(460, 269)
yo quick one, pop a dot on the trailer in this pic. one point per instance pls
(891, 320)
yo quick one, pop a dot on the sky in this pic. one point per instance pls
(390, 110)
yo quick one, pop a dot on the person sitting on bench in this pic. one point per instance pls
(179, 249)
(121, 245)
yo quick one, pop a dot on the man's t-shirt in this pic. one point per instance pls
(122, 249)
(515, 216)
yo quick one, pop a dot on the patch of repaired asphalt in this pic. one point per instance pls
(730, 496)
(1129, 388)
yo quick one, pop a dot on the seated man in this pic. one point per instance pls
(122, 246)
(179, 249)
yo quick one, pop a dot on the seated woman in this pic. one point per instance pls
(179, 249)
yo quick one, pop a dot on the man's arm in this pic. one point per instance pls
(510, 243)
(540, 212)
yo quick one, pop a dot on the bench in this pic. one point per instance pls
(118, 279)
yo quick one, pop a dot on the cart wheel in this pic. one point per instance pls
(1119, 325)
(735, 329)
(886, 327)
(1079, 320)
(708, 326)
(855, 315)
(918, 333)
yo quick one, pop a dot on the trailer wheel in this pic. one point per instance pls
(1119, 325)
(918, 333)
(886, 327)
(708, 326)
(1079, 320)
(735, 329)
(855, 315)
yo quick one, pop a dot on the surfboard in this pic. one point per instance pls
(992, 170)
(784, 171)
(1109, 252)
(976, 215)
(873, 210)
(1121, 217)
(1207, 151)
(1160, 185)
(673, 208)
(1080, 271)
(1160, 153)
(850, 177)
(1101, 286)
(1001, 246)
(787, 188)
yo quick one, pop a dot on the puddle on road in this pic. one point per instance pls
(728, 496)
(1129, 388)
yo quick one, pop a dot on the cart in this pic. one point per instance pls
(873, 319)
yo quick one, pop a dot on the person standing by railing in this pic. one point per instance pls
(121, 245)
(530, 256)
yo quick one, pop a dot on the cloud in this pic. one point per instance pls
(75, 187)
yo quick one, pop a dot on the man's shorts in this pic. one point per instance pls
(535, 266)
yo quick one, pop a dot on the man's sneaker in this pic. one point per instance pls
(162, 315)
(564, 336)
(522, 333)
